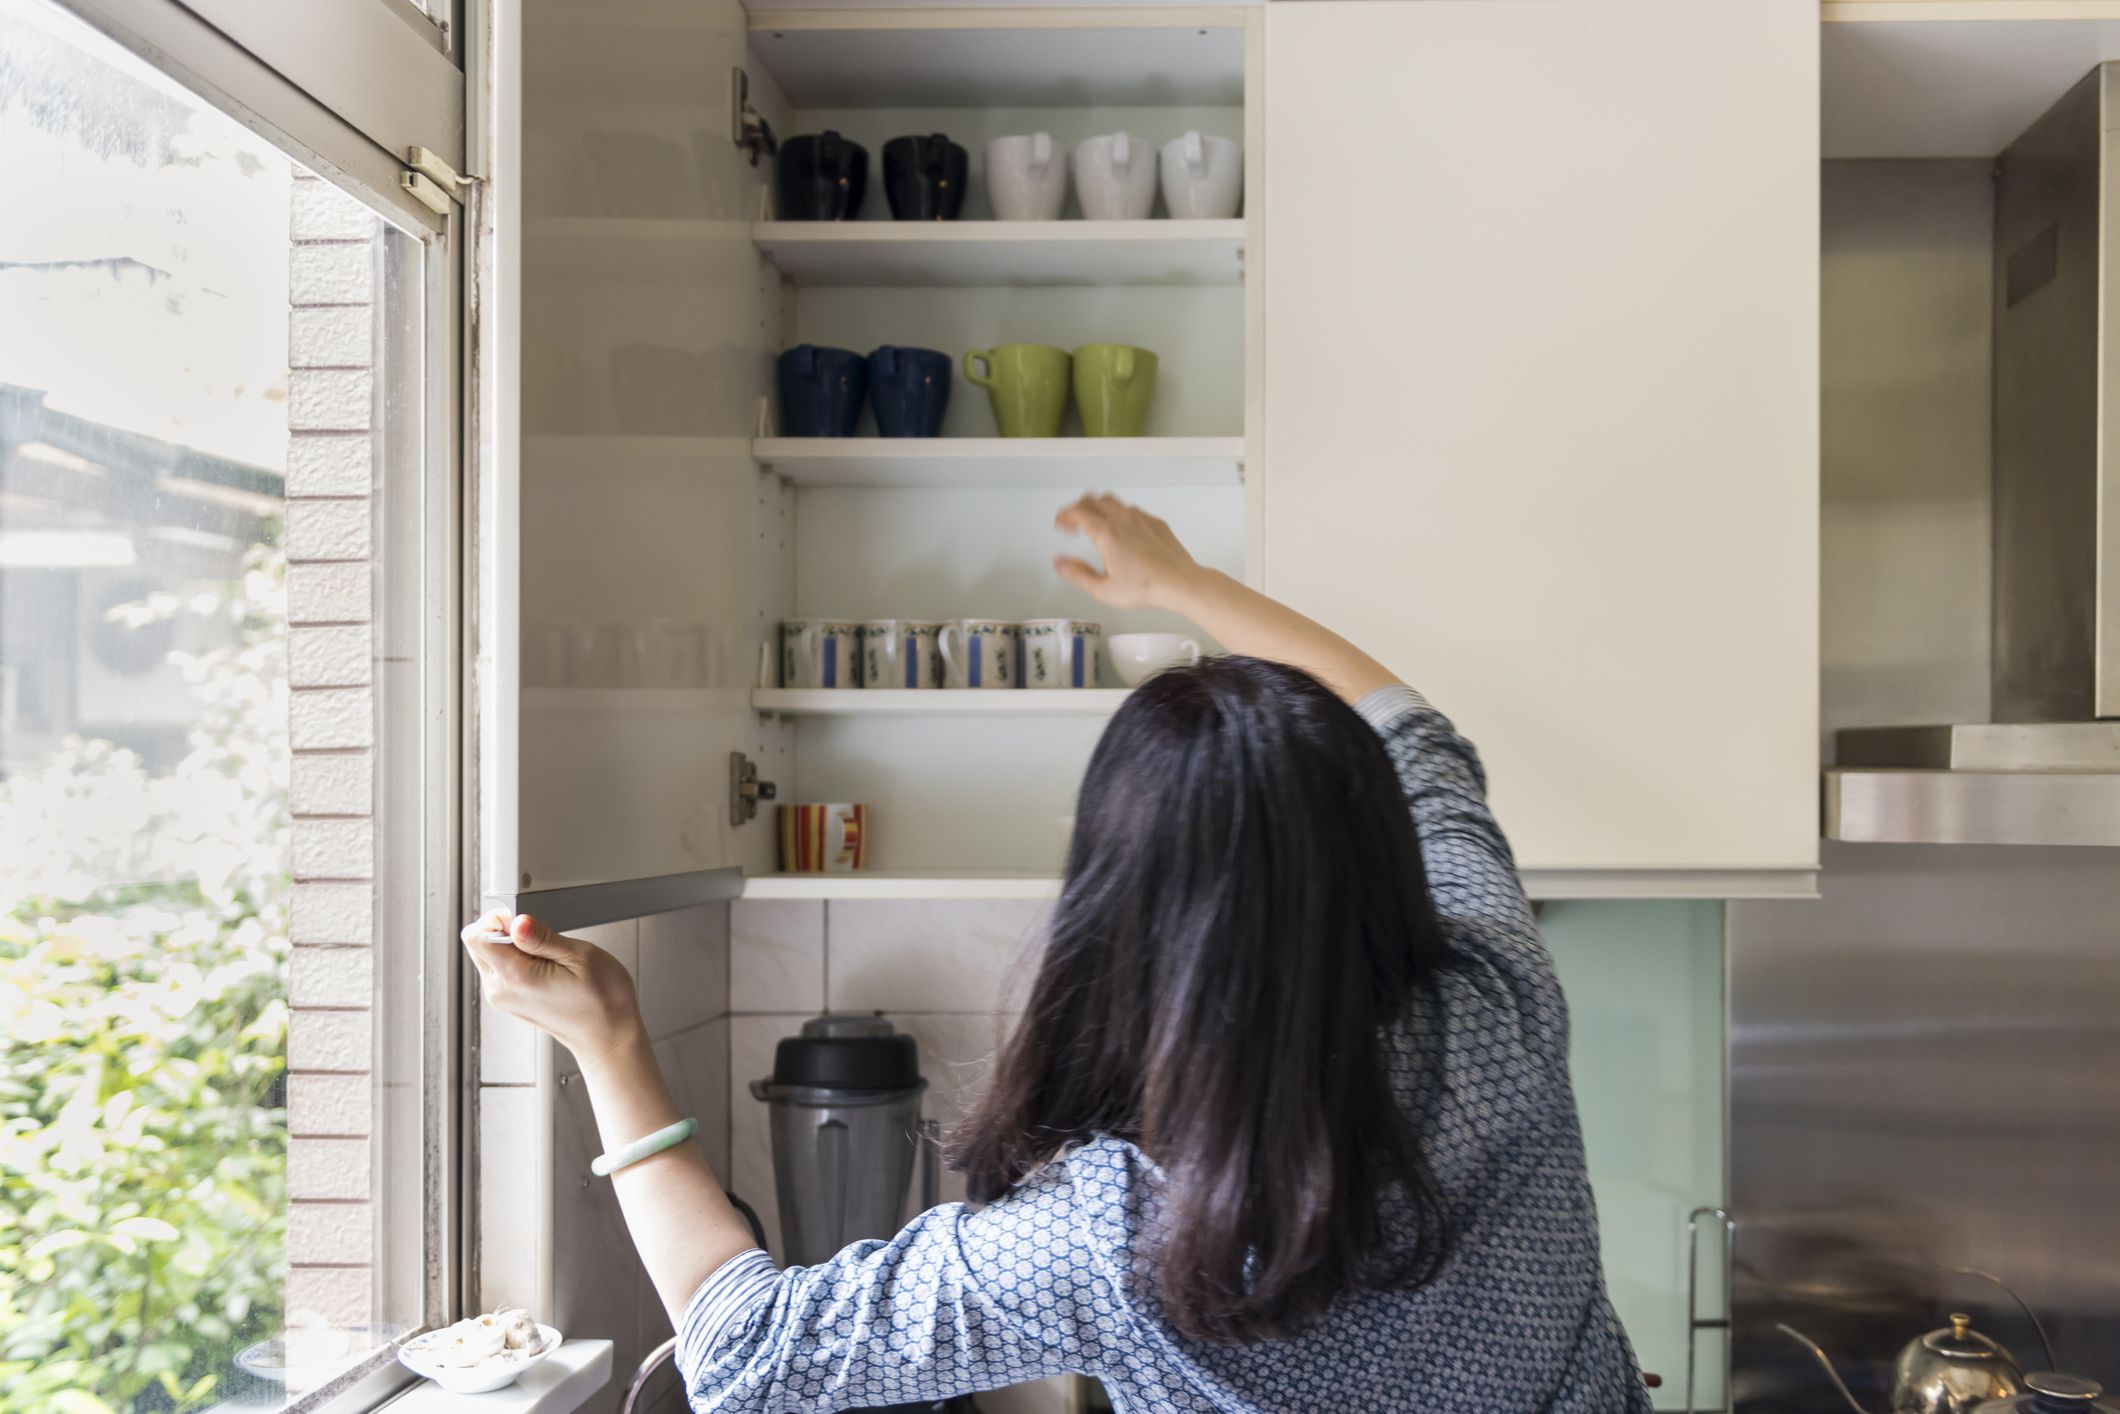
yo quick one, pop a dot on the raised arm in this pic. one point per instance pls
(1146, 568)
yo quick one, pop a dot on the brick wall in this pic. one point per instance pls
(331, 1232)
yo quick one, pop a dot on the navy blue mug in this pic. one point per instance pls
(910, 390)
(821, 391)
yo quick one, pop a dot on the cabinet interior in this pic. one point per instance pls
(644, 226)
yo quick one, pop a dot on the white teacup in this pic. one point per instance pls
(901, 653)
(1136, 656)
(1026, 177)
(819, 653)
(980, 653)
(1060, 652)
(1203, 177)
(1115, 177)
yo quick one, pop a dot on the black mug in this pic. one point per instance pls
(924, 178)
(820, 178)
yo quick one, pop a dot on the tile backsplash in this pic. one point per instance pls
(1644, 984)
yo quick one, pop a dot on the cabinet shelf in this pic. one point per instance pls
(901, 884)
(625, 250)
(1078, 463)
(939, 702)
(1018, 253)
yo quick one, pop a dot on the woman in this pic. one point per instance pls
(1286, 1124)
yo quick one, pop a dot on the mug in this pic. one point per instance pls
(1026, 178)
(985, 652)
(901, 653)
(1203, 177)
(924, 178)
(820, 178)
(1027, 385)
(1115, 177)
(910, 390)
(1137, 655)
(1060, 652)
(821, 391)
(819, 653)
(1114, 384)
(823, 839)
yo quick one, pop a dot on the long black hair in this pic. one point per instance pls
(1244, 908)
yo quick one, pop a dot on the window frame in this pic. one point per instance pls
(340, 86)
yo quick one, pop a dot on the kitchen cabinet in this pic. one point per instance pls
(1469, 377)
(1541, 388)
(655, 524)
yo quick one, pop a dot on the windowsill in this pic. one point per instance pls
(561, 1383)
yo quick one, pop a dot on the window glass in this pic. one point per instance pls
(211, 1152)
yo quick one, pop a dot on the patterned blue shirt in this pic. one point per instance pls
(1055, 1277)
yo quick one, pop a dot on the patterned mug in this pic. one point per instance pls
(901, 653)
(823, 839)
(1060, 652)
(819, 653)
(982, 653)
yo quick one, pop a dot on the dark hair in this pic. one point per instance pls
(1244, 909)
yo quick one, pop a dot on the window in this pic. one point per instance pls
(226, 753)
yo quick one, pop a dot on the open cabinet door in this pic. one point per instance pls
(631, 335)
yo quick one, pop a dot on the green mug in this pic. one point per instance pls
(1026, 383)
(1114, 384)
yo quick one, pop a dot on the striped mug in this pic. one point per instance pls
(819, 653)
(981, 652)
(823, 839)
(1060, 652)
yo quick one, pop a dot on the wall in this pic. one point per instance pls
(1644, 982)
(332, 1229)
(538, 1211)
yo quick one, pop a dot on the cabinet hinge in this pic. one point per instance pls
(745, 789)
(432, 181)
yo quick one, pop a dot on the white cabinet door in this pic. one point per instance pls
(1541, 405)
(616, 654)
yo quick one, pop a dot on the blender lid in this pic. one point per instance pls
(837, 1051)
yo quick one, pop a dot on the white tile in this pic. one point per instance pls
(331, 1106)
(507, 1048)
(956, 1057)
(595, 1271)
(684, 968)
(751, 1043)
(776, 955)
(329, 464)
(696, 1065)
(327, 1168)
(621, 940)
(333, 913)
(330, 1296)
(931, 956)
(330, 1234)
(512, 1229)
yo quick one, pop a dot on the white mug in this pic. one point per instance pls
(1060, 652)
(1137, 655)
(985, 652)
(1115, 177)
(1026, 178)
(819, 653)
(901, 653)
(1203, 177)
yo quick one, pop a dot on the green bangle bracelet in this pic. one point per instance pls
(668, 1137)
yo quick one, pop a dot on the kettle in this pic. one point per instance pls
(1951, 1370)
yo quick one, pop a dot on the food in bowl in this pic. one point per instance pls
(480, 1353)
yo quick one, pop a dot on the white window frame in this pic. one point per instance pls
(346, 88)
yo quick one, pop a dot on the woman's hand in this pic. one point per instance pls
(1144, 565)
(574, 991)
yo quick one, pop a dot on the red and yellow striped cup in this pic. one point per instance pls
(823, 839)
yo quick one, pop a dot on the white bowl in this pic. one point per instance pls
(1135, 656)
(415, 1355)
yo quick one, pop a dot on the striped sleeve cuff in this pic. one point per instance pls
(1386, 705)
(733, 1291)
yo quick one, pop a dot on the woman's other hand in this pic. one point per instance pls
(574, 991)
(1145, 567)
